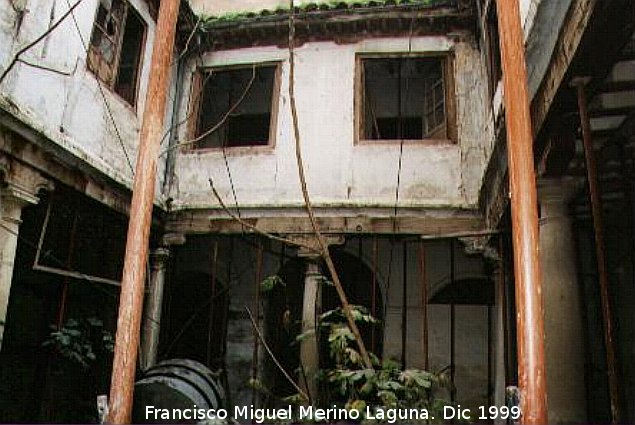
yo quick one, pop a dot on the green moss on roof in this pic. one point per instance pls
(311, 6)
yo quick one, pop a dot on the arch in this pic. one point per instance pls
(283, 312)
(439, 288)
(471, 290)
(195, 323)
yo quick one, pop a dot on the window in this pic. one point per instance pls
(492, 43)
(237, 106)
(116, 47)
(404, 98)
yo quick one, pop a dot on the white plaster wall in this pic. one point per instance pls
(69, 109)
(528, 10)
(221, 7)
(338, 171)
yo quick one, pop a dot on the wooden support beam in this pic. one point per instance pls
(135, 261)
(524, 213)
(432, 224)
(617, 86)
(598, 227)
(611, 112)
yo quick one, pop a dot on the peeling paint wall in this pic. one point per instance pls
(67, 106)
(222, 7)
(340, 172)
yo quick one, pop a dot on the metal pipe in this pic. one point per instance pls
(596, 210)
(452, 329)
(136, 256)
(524, 214)
(256, 349)
(404, 305)
(373, 307)
(424, 305)
(61, 311)
(490, 351)
(212, 310)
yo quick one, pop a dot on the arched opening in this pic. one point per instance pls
(283, 314)
(196, 319)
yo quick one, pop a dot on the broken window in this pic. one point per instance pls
(236, 106)
(404, 98)
(116, 47)
(494, 67)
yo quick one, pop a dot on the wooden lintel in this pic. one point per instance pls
(198, 222)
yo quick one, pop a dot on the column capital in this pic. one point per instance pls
(18, 195)
(21, 183)
(558, 190)
(12, 199)
(312, 244)
(159, 257)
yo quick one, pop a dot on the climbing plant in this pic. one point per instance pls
(81, 341)
(79, 357)
(346, 382)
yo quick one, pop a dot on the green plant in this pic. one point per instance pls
(270, 283)
(79, 369)
(82, 341)
(387, 386)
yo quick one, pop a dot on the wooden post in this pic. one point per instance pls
(524, 213)
(134, 269)
(598, 228)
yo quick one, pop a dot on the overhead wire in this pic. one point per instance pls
(399, 170)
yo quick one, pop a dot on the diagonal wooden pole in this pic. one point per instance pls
(524, 213)
(134, 269)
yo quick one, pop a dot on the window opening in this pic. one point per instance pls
(403, 98)
(241, 101)
(116, 47)
(493, 48)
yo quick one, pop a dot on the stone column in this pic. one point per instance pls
(12, 200)
(564, 327)
(152, 309)
(309, 349)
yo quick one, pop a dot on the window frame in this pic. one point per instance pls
(194, 107)
(491, 38)
(128, 8)
(446, 59)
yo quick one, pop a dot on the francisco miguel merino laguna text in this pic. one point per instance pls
(258, 415)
